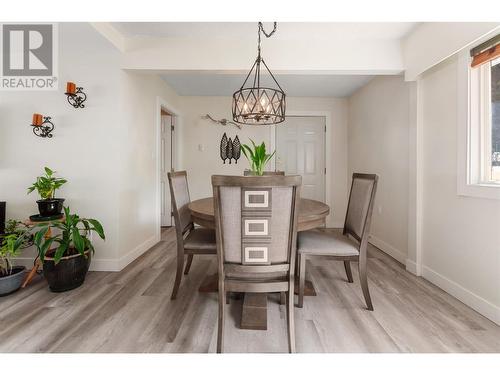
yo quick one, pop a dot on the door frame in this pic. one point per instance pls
(163, 104)
(328, 148)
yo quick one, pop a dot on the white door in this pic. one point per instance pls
(165, 167)
(300, 149)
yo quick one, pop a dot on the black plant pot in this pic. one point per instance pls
(50, 207)
(11, 283)
(68, 274)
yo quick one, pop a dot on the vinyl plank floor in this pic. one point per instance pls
(131, 311)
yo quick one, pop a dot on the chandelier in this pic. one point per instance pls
(254, 104)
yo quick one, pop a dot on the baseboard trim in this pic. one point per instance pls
(109, 265)
(128, 258)
(411, 267)
(472, 300)
(388, 249)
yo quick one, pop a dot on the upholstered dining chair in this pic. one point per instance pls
(190, 240)
(351, 244)
(256, 230)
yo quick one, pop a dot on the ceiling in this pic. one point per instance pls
(306, 83)
(213, 84)
(285, 30)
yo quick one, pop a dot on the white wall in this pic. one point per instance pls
(202, 164)
(378, 143)
(104, 150)
(137, 199)
(460, 235)
(84, 148)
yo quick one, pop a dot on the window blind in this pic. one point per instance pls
(485, 52)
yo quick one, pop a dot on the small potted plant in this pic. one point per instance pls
(257, 157)
(16, 237)
(66, 264)
(46, 186)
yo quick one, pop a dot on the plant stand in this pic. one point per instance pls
(37, 262)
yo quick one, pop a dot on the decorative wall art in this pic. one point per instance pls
(230, 149)
(223, 121)
(236, 149)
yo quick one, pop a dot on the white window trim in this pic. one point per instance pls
(465, 141)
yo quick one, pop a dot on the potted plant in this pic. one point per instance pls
(46, 186)
(257, 157)
(16, 237)
(65, 265)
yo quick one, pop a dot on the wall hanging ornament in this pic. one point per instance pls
(229, 150)
(236, 149)
(223, 148)
(256, 104)
(42, 126)
(223, 121)
(75, 95)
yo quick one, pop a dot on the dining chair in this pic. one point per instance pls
(351, 244)
(256, 230)
(191, 240)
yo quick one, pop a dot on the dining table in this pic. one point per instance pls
(312, 214)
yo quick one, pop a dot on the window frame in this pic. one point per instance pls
(473, 142)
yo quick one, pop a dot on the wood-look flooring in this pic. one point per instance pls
(130, 311)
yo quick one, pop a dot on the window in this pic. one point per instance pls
(494, 173)
(484, 116)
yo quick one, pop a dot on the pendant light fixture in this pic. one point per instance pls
(254, 104)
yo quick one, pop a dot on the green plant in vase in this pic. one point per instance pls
(257, 157)
(46, 187)
(65, 265)
(17, 236)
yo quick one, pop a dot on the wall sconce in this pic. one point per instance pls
(75, 95)
(42, 126)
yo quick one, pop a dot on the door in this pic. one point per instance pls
(165, 167)
(300, 149)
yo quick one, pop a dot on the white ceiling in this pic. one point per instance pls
(286, 30)
(212, 84)
(306, 83)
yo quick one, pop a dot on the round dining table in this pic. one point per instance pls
(312, 214)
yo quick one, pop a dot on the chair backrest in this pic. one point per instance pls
(360, 206)
(256, 219)
(179, 193)
(266, 173)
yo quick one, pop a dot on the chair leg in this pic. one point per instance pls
(347, 266)
(220, 329)
(301, 259)
(291, 320)
(188, 264)
(282, 298)
(178, 275)
(364, 285)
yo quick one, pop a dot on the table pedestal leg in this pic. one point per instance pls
(254, 312)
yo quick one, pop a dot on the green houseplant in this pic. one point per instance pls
(46, 187)
(257, 157)
(66, 264)
(16, 237)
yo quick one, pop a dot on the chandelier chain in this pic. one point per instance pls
(267, 35)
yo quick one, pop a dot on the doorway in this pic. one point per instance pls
(300, 149)
(167, 126)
